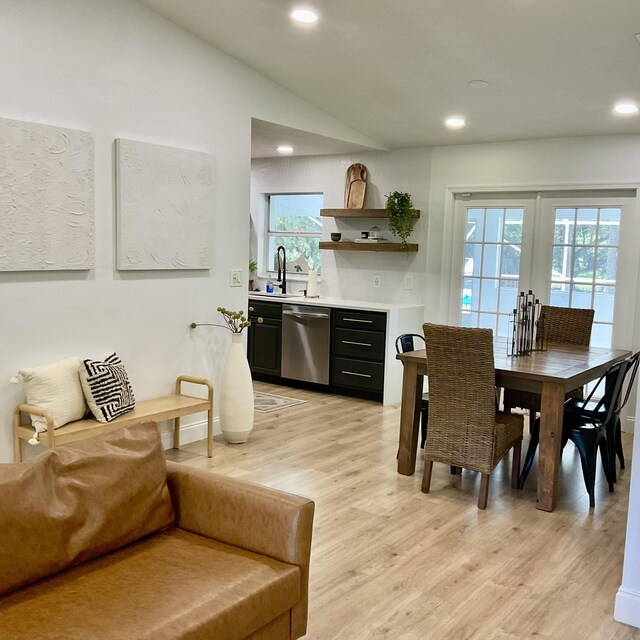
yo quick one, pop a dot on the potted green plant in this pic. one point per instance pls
(253, 267)
(401, 216)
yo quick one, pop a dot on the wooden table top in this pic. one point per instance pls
(560, 363)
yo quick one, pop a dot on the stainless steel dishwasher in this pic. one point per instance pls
(305, 343)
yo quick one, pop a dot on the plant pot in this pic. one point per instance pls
(236, 400)
(251, 284)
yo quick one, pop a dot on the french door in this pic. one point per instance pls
(568, 247)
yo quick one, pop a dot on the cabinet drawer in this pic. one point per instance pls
(364, 345)
(266, 309)
(367, 320)
(357, 374)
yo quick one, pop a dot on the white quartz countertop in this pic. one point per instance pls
(336, 303)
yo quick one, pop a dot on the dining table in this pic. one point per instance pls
(552, 373)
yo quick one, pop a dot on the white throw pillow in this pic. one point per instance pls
(106, 388)
(55, 388)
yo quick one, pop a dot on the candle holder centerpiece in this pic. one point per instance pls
(526, 332)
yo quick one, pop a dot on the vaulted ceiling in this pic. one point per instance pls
(395, 69)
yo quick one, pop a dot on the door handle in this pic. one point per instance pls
(359, 344)
(358, 320)
(353, 373)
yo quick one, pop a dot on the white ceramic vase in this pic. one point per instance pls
(236, 400)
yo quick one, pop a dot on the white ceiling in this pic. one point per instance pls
(394, 69)
(266, 136)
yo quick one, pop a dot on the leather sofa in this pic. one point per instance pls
(103, 540)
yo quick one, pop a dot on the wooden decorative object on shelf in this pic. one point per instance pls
(355, 186)
(385, 247)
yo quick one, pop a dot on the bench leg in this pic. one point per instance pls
(176, 433)
(210, 433)
(17, 445)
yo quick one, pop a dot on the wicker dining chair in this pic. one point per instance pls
(557, 324)
(465, 429)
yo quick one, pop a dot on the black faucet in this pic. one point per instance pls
(282, 268)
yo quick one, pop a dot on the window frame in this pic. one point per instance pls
(265, 268)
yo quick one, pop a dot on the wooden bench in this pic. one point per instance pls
(167, 408)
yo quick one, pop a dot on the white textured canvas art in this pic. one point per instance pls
(165, 204)
(46, 198)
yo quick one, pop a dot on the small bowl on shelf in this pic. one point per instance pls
(336, 237)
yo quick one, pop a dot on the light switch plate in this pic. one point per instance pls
(236, 278)
(408, 282)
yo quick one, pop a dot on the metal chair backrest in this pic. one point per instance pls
(611, 397)
(632, 367)
(404, 343)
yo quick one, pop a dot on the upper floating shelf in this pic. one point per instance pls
(357, 213)
(345, 245)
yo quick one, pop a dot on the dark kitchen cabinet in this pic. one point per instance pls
(265, 339)
(358, 350)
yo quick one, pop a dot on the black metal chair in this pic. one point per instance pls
(587, 425)
(404, 343)
(597, 410)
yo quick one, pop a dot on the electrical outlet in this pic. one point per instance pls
(377, 282)
(236, 278)
(408, 281)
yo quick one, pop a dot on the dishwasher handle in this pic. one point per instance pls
(297, 314)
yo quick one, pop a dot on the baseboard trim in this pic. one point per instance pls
(188, 432)
(627, 608)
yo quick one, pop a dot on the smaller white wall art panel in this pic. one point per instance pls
(164, 204)
(46, 198)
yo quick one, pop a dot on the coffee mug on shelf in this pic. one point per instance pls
(336, 237)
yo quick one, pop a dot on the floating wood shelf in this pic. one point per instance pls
(357, 213)
(389, 247)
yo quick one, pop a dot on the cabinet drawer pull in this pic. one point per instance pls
(359, 344)
(357, 320)
(360, 375)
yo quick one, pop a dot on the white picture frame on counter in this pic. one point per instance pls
(164, 203)
(46, 198)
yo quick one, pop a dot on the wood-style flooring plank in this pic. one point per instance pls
(389, 562)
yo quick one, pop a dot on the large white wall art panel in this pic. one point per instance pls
(165, 206)
(46, 198)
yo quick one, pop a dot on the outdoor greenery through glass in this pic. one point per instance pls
(491, 269)
(585, 263)
(294, 222)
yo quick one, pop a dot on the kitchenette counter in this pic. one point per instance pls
(334, 303)
(361, 349)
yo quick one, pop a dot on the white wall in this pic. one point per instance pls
(627, 607)
(350, 274)
(118, 70)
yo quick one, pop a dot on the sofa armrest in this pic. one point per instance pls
(246, 515)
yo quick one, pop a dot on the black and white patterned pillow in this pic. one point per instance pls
(106, 388)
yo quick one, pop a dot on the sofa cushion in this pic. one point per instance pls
(172, 585)
(76, 502)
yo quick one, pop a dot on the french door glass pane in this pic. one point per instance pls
(491, 266)
(585, 257)
(475, 225)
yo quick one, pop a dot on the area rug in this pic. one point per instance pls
(267, 402)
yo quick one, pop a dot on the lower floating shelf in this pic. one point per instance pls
(388, 247)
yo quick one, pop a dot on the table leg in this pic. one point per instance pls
(409, 418)
(551, 412)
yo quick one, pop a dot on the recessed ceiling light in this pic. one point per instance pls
(626, 108)
(304, 16)
(455, 122)
(284, 149)
(478, 84)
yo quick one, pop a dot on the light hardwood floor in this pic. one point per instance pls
(390, 562)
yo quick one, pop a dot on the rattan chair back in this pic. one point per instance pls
(564, 325)
(461, 396)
